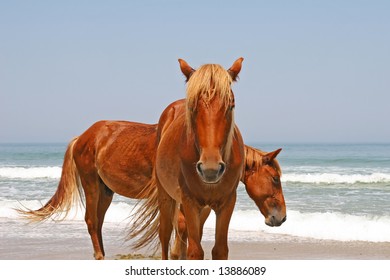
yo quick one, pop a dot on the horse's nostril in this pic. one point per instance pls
(222, 167)
(199, 168)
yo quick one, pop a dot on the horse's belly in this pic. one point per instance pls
(128, 184)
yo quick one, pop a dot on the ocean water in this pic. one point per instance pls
(332, 191)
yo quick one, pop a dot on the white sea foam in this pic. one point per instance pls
(52, 172)
(249, 225)
(336, 226)
(118, 212)
(331, 226)
(331, 178)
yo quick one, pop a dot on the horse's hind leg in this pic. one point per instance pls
(105, 199)
(93, 190)
(179, 249)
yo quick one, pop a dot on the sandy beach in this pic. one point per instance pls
(40, 242)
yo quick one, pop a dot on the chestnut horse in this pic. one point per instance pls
(126, 151)
(200, 158)
(118, 157)
(109, 157)
(261, 174)
(261, 177)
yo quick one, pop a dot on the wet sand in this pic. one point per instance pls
(40, 242)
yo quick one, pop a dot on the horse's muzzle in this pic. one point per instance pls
(273, 221)
(210, 175)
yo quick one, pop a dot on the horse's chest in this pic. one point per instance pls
(208, 195)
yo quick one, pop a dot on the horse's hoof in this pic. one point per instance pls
(98, 256)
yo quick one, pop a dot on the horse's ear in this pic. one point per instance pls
(267, 158)
(186, 69)
(236, 68)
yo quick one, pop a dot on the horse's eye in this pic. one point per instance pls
(232, 103)
(276, 179)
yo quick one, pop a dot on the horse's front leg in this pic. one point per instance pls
(223, 215)
(192, 216)
(167, 212)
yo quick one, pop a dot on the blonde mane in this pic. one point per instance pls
(254, 160)
(207, 82)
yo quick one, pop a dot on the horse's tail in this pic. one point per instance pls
(145, 221)
(68, 192)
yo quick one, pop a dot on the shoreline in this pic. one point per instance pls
(21, 241)
(319, 250)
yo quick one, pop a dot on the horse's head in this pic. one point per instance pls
(262, 182)
(210, 118)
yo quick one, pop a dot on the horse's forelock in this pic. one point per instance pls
(206, 83)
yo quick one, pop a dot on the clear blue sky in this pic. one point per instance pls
(313, 70)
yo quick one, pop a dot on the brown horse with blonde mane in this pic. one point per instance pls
(261, 177)
(117, 157)
(200, 159)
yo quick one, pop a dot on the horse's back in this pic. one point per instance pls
(121, 153)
